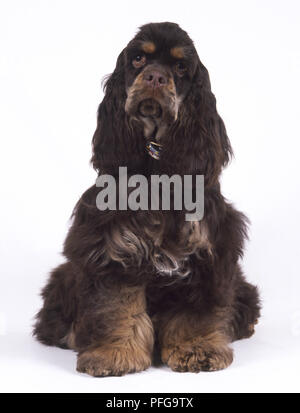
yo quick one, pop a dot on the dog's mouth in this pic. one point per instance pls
(150, 108)
(156, 111)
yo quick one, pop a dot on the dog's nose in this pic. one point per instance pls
(155, 79)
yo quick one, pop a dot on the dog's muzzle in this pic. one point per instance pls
(153, 95)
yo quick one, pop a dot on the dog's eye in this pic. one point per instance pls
(139, 61)
(180, 68)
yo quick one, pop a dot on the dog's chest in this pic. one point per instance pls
(135, 244)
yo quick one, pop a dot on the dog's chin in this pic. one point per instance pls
(156, 118)
(155, 115)
(150, 108)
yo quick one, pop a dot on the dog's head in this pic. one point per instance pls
(160, 90)
(160, 64)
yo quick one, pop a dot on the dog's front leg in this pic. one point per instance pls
(192, 342)
(113, 332)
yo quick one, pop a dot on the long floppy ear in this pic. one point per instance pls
(198, 142)
(115, 143)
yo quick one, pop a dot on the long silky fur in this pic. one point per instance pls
(179, 264)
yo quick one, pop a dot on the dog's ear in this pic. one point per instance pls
(115, 142)
(198, 142)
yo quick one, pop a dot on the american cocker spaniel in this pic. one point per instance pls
(144, 286)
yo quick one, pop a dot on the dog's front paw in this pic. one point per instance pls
(197, 358)
(112, 361)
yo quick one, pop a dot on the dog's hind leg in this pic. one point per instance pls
(54, 320)
(246, 308)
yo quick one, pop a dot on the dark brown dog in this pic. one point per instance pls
(138, 283)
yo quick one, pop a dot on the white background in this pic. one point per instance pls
(53, 55)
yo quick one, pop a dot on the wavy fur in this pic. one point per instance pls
(134, 278)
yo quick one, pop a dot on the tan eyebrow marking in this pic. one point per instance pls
(177, 52)
(148, 47)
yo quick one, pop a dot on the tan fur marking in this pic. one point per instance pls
(148, 47)
(177, 52)
(128, 348)
(191, 345)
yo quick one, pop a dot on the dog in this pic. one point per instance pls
(146, 287)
